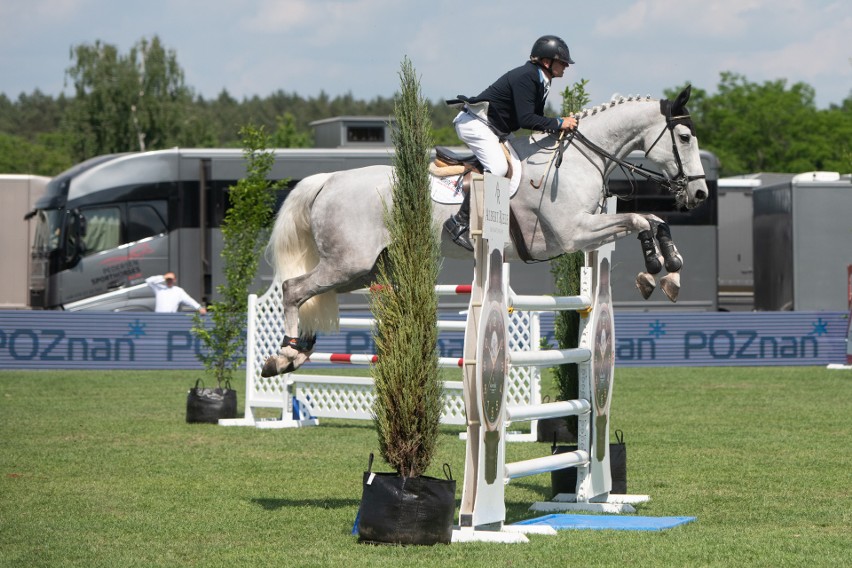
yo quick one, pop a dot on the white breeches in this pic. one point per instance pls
(482, 142)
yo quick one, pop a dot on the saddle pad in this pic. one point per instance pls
(444, 189)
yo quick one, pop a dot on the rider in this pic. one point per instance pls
(515, 100)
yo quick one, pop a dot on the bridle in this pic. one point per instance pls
(676, 185)
(681, 180)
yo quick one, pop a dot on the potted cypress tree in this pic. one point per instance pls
(245, 233)
(405, 506)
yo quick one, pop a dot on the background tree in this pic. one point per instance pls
(125, 103)
(20, 156)
(769, 127)
(287, 135)
(163, 97)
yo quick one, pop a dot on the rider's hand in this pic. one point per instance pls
(568, 123)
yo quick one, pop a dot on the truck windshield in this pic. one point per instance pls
(47, 229)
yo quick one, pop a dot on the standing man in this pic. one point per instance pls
(169, 295)
(516, 100)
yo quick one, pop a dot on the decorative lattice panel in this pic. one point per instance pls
(329, 396)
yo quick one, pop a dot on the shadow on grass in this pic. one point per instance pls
(329, 423)
(542, 490)
(274, 504)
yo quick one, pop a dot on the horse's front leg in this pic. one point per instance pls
(658, 253)
(645, 281)
(594, 230)
(670, 283)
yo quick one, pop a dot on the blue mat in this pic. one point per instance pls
(607, 522)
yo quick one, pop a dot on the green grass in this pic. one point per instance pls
(100, 469)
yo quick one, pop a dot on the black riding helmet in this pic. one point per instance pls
(552, 47)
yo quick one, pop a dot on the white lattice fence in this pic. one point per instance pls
(330, 396)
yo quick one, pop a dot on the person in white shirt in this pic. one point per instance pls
(169, 295)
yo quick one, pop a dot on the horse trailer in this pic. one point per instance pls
(803, 243)
(783, 241)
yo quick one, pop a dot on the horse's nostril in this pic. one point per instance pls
(700, 195)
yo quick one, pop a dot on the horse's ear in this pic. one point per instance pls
(679, 105)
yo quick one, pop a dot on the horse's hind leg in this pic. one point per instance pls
(298, 343)
(296, 347)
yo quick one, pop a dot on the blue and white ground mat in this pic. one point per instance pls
(607, 522)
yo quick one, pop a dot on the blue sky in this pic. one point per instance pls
(255, 47)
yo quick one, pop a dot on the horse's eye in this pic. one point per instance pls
(685, 138)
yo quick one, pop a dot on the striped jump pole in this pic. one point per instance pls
(368, 359)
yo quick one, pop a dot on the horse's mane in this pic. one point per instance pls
(597, 109)
(615, 100)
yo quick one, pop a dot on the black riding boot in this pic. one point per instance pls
(458, 225)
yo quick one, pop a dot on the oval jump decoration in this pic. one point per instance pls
(604, 360)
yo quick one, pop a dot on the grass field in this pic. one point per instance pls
(100, 469)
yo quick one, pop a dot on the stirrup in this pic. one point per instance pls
(458, 232)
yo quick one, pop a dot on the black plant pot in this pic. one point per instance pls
(406, 510)
(565, 480)
(208, 405)
(555, 430)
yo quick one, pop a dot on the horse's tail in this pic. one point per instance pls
(292, 250)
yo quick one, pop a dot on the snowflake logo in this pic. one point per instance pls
(658, 329)
(820, 328)
(137, 329)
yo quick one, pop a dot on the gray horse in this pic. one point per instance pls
(330, 231)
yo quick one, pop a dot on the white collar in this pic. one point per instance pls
(545, 81)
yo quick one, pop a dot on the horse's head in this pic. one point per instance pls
(681, 161)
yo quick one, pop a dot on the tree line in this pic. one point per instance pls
(134, 101)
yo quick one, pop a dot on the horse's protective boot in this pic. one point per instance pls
(458, 225)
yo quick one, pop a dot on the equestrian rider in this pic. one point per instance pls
(515, 100)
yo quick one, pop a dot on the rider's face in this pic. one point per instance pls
(557, 68)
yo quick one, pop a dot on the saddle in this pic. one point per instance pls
(448, 162)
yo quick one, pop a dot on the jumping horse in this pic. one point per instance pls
(330, 232)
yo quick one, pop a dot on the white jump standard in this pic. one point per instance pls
(487, 362)
(335, 396)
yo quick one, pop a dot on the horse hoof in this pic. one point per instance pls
(670, 283)
(270, 367)
(646, 284)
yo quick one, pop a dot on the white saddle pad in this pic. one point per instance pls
(445, 190)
